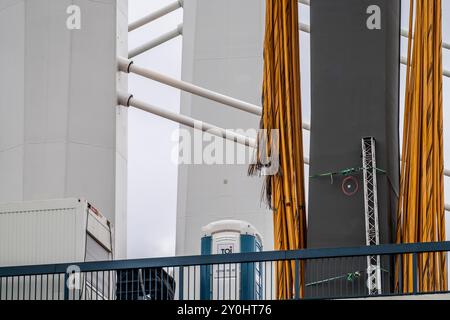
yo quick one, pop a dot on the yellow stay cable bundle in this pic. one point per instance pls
(421, 216)
(282, 111)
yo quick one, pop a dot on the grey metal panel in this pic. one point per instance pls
(354, 81)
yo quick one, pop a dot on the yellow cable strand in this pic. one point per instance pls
(421, 215)
(285, 191)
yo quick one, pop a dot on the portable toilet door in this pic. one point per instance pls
(231, 281)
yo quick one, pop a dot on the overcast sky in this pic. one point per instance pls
(152, 177)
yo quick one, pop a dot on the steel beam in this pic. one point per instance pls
(155, 15)
(157, 41)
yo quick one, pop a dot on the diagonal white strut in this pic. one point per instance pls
(155, 15)
(127, 100)
(178, 31)
(128, 66)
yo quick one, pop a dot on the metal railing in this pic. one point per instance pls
(329, 274)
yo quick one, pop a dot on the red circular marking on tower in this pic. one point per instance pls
(350, 186)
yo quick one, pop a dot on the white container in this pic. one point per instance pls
(53, 231)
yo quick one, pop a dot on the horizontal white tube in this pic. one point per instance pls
(128, 100)
(447, 172)
(128, 66)
(405, 34)
(156, 42)
(304, 27)
(155, 15)
(445, 73)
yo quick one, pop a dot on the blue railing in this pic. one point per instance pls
(329, 273)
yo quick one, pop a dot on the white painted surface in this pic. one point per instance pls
(222, 51)
(152, 176)
(233, 226)
(61, 132)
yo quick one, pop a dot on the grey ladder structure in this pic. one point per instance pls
(371, 213)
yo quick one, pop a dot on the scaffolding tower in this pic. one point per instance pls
(371, 213)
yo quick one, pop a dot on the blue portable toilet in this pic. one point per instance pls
(231, 281)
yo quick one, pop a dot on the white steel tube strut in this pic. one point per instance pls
(128, 100)
(126, 65)
(446, 172)
(304, 27)
(130, 67)
(155, 15)
(156, 42)
(445, 73)
(405, 34)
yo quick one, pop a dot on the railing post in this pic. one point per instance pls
(66, 286)
(297, 279)
(400, 274)
(414, 262)
(181, 282)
